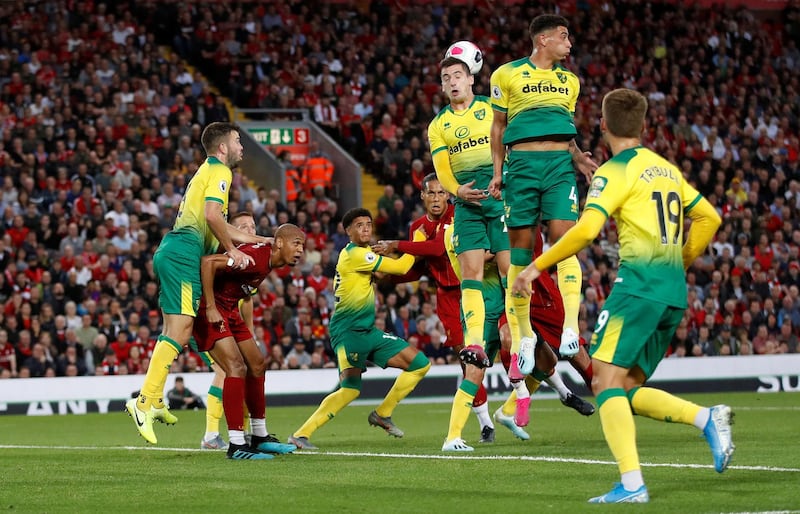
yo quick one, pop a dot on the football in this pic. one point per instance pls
(468, 52)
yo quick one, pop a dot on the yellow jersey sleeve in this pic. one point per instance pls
(211, 182)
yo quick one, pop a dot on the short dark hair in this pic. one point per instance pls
(430, 177)
(352, 214)
(214, 133)
(451, 61)
(545, 22)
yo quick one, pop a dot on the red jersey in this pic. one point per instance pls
(234, 284)
(433, 248)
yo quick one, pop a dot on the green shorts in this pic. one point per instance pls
(494, 300)
(355, 347)
(177, 267)
(539, 187)
(474, 228)
(632, 331)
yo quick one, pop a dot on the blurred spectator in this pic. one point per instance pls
(180, 397)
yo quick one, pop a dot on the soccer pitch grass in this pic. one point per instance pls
(97, 463)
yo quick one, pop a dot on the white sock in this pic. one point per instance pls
(632, 480)
(236, 436)
(556, 383)
(259, 427)
(702, 418)
(483, 415)
(521, 389)
(210, 435)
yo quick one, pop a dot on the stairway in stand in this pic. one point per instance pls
(371, 191)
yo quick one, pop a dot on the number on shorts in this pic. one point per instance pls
(503, 221)
(573, 195)
(602, 319)
(675, 217)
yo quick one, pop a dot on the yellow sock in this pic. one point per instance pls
(474, 310)
(532, 383)
(510, 405)
(569, 283)
(405, 383)
(462, 406)
(662, 406)
(164, 353)
(619, 429)
(326, 411)
(518, 308)
(213, 409)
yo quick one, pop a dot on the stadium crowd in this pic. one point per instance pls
(99, 135)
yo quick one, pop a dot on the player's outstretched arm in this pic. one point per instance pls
(573, 241)
(705, 222)
(238, 236)
(399, 266)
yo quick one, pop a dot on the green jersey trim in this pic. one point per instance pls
(694, 202)
(212, 199)
(597, 208)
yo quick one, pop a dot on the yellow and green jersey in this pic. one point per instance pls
(352, 289)
(464, 135)
(648, 197)
(539, 103)
(211, 183)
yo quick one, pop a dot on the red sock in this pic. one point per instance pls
(587, 374)
(232, 400)
(254, 396)
(505, 358)
(480, 396)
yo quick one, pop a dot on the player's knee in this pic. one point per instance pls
(353, 384)
(419, 363)
(236, 368)
(259, 368)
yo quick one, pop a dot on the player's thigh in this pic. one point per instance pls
(630, 332)
(177, 266)
(385, 347)
(559, 200)
(469, 229)
(522, 187)
(660, 340)
(206, 334)
(353, 347)
(497, 232)
(226, 353)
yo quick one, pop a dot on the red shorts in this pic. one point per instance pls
(547, 311)
(448, 308)
(207, 334)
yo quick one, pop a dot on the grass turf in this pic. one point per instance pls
(97, 462)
